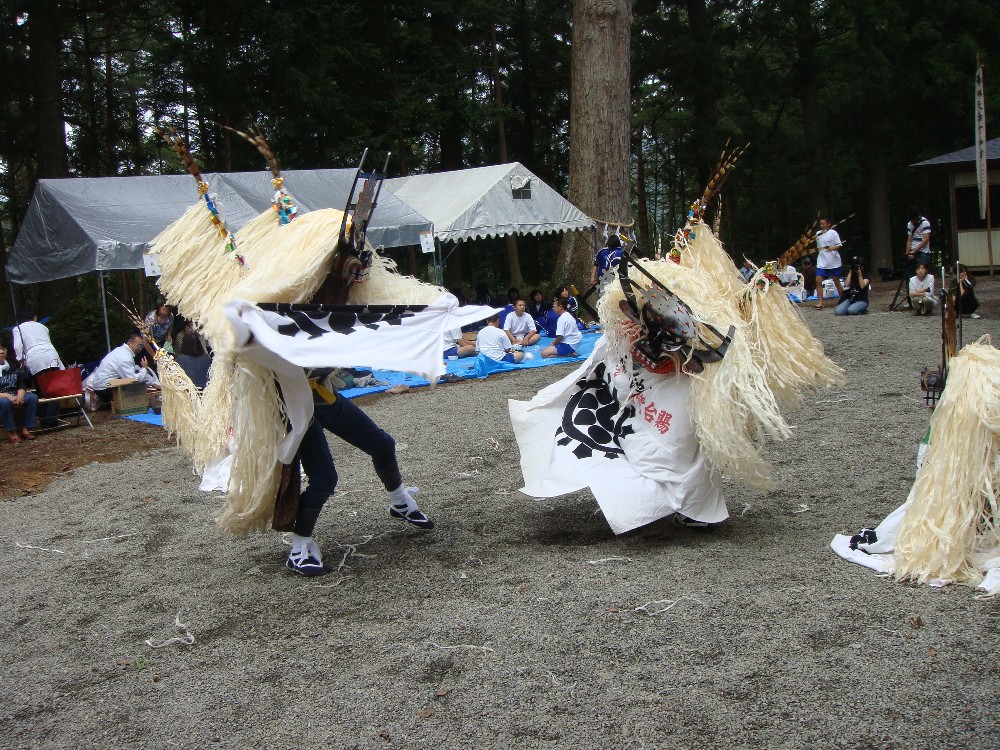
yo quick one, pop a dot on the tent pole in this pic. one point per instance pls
(104, 308)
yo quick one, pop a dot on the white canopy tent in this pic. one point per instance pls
(86, 224)
(488, 202)
(83, 225)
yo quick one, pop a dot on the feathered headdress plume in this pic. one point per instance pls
(281, 202)
(181, 149)
(697, 211)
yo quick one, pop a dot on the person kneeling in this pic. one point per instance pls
(493, 343)
(855, 297)
(922, 291)
(568, 336)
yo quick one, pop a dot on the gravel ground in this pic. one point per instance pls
(515, 622)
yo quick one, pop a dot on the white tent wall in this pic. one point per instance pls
(486, 202)
(480, 202)
(86, 224)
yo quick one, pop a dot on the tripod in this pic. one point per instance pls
(909, 267)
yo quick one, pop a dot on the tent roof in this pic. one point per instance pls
(84, 224)
(479, 202)
(962, 156)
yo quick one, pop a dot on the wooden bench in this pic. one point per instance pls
(69, 406)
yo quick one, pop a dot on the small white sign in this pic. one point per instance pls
(151, 263)
(427, 242)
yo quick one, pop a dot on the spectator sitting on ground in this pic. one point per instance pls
(747, 270)
(13, 392)
(512, 297)
(520, 327)
(456, 345)
(32, 345)
(856, 288)
(966, 302)
(550, 320)
(537, 305)
(159, 322)
(567, 335)
(120, 363)
(922, 291)
(572, 305)
(493, 343)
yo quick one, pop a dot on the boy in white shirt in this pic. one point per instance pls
(828, 263)
(493, 343)
(568, 336)
(520, 327)
(456, 345)
(922, 291)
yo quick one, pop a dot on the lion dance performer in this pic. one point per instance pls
(690, 376)
(303, 297)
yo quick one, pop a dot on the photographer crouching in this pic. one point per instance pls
(855, 297)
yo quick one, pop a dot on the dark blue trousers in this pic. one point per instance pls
(349, 423)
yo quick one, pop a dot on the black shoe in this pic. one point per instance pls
(690, 523)
(415, 516)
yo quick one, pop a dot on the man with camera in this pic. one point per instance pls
(918, 243)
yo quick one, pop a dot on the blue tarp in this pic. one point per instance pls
(472, 367)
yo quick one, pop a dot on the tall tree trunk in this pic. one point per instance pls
(600, 97)
(807, 85)
(513, 261)
(879, 222)
(46, 79)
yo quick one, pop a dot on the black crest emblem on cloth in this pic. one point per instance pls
(589, 418)
(317, 320)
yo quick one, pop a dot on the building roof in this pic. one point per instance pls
(963, 156)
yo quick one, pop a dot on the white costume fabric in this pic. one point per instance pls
(947, 530)
(827, 257)
(119, 363)
(33, 347)
(567, 328)
(287, 342)
(492, 342)
(631, 439)
(873, 548)
(519, 325)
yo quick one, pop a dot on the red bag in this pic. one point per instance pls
(56, 383)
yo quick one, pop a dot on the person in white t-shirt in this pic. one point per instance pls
(828, 263)
(455, 344)
(922, 291)
(32, 345)
(493, 343)
(918, 238)
(568, 336)
(519, 326)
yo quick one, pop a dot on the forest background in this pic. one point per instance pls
(834, 97)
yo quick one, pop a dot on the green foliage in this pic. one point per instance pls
(822, 90)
